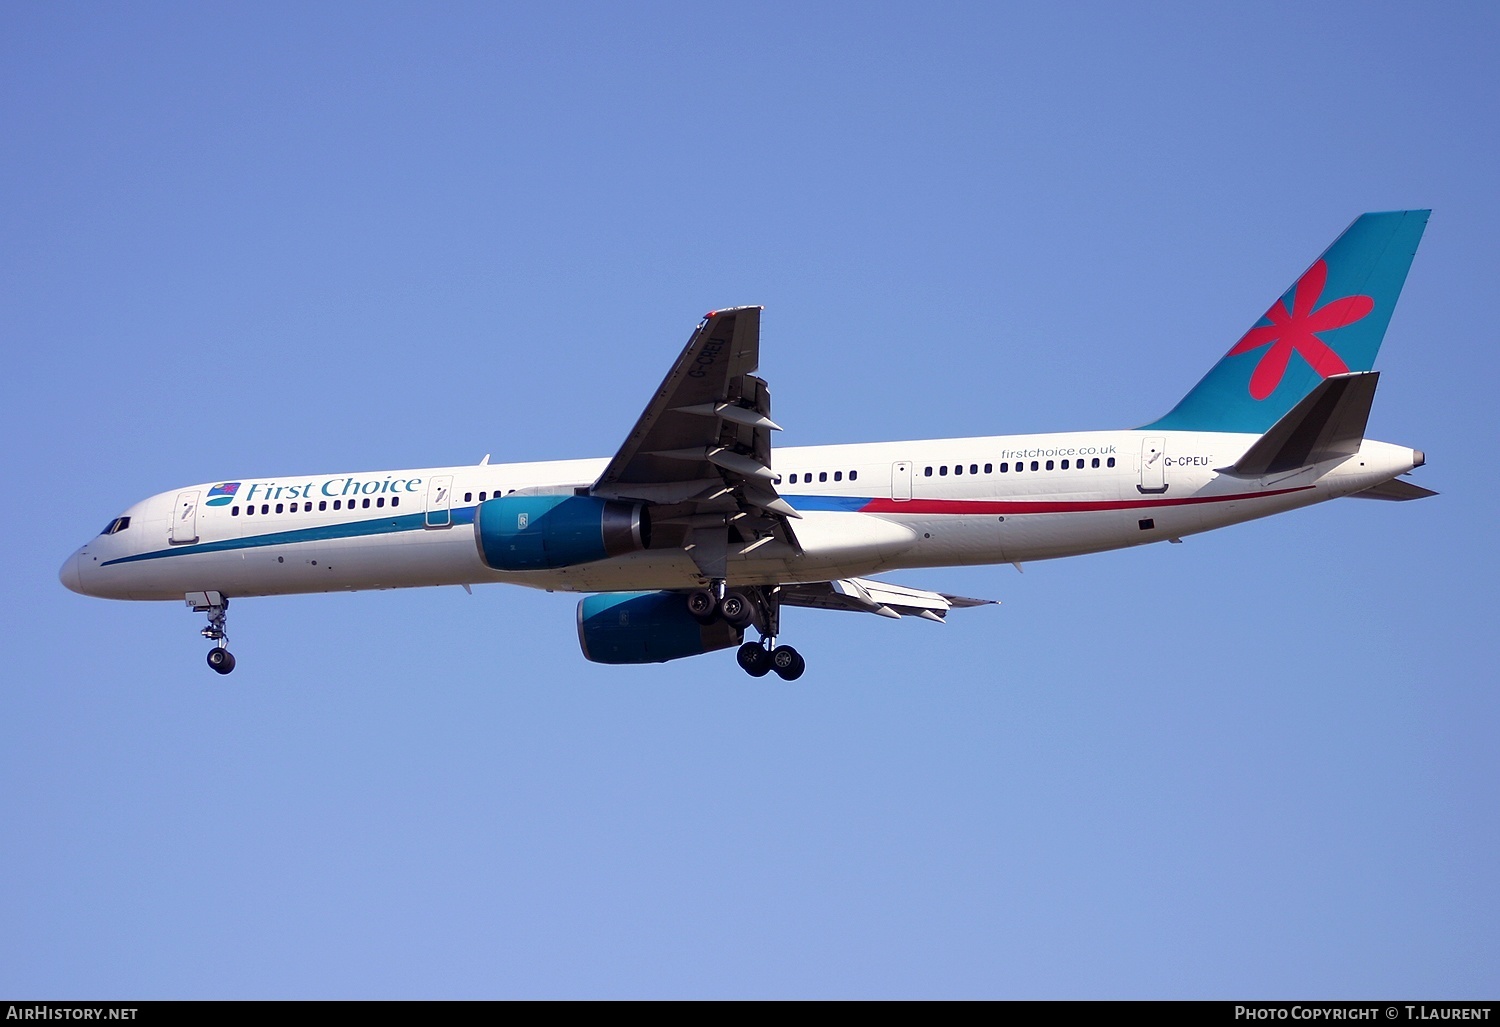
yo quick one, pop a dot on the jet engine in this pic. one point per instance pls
(529, 533)
(647, 627)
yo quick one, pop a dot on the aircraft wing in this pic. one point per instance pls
(863, 595)
(701, 450)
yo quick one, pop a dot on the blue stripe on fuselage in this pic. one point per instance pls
(842, 504)
(320, 533)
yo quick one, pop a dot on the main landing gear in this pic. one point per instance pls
(753, 607)
(216, 606)
(760, 658)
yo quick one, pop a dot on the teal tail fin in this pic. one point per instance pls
(1331, 321)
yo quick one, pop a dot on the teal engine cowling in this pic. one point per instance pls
(529, 533)
(647, 627)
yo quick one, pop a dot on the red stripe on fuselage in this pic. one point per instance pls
(985, 506)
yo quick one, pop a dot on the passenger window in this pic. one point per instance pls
(973, 468)
(822, 475)
(943, 471)
(853, 475)
(380, 501)
(1111, 461)
(322, 504)
(1005, 468)
(483, 496)
(989, 468)
(280, 508)
(928, 472)
(395, 500)
(1096, 461)
(1065, 465)
(294, 508)
(338, 504)
(250, 510)
(1049, 465)
(1035, 466)
(958, 468)
(468, 497)
(838, 475)
(366, 503)
(234, 511)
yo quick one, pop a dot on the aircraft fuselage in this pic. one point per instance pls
(865, 509)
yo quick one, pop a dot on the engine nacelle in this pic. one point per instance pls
(530, 533)
(647, 627)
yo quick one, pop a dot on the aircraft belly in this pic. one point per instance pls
(398, 560)
(1042, 536)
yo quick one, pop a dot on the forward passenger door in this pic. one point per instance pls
(185, 519)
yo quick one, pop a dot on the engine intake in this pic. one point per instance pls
(527, 533)
(647, 627)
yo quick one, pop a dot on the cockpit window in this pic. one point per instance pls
(117, 525)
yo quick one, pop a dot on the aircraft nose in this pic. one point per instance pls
(70, 577)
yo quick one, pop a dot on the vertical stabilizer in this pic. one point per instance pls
(1330, 321)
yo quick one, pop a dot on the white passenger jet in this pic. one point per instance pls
(691, 534)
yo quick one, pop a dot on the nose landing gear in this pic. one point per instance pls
(216, 605)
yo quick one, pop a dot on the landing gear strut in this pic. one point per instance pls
(216, 606)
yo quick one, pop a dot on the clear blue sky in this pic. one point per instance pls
(242, 240)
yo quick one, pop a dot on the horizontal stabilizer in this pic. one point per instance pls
(1395, 490)
(1328, 424)
(862, 595)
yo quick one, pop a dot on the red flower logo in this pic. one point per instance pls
(1295, 329)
